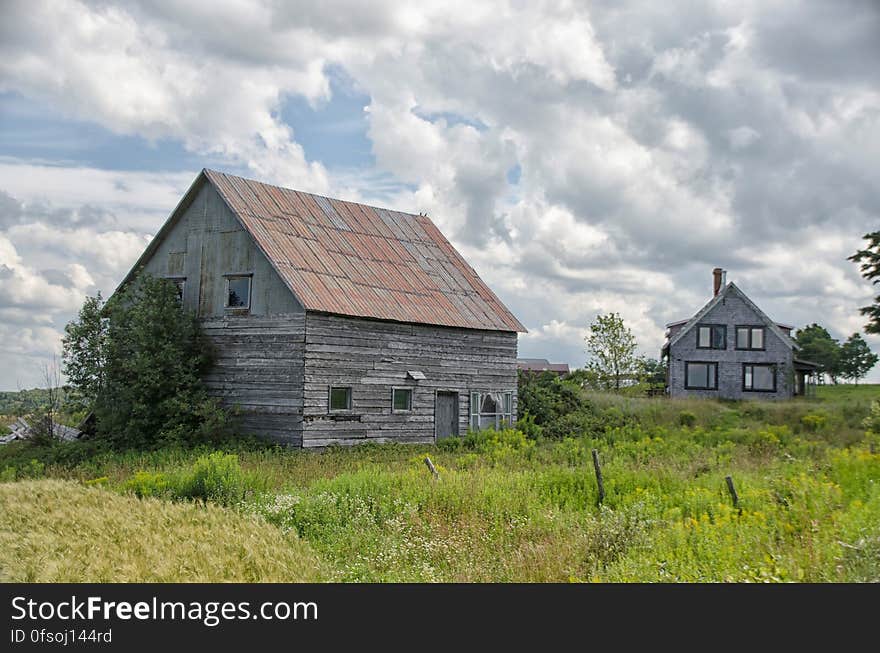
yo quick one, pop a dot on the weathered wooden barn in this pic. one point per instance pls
(336, 322)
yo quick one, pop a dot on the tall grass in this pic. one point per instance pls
(60, 531)
(508, 508)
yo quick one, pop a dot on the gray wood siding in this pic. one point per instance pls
(732, 311)
(206, 243)
(259, 369)
(372, 357)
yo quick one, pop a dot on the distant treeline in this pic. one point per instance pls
(23, 402)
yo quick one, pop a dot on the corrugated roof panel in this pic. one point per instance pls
(353, 259)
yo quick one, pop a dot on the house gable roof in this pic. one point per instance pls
(352, 259)
(724, 292)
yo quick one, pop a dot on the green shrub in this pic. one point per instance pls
(215, 477)
(687, 418)
(527, 425)
(148, 484)
(546, 397)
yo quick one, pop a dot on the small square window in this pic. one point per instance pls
(340, 398)
(749, 337)
(238, 292)
(401, 399)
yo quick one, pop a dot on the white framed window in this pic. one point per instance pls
(340, 398)
(238, 291)
(490, 410)
(401, 400)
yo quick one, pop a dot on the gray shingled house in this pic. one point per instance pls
(336, 322)
(730, 349)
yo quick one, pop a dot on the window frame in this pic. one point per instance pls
(239, 275)
(751, 328)
(687, 385)
(330, 390)
(180, 282)
(397, 389)
(505, 403)
(712, 327)
(773, 366)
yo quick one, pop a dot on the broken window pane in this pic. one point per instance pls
(239, 295)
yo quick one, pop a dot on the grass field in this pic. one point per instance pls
(505, 508)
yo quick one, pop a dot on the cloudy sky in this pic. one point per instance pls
(584, 157)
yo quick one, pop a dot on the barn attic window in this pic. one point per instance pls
(238, 291)
(180, 284)
(491, 409)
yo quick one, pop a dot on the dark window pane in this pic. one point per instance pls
(340, 398)
(179, 284)
(489, 405)
(402, 399)
(711, 380)
(239, 292)
(757, 338)
(719, 335)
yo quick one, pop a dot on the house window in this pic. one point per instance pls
(340, 398)
(491, 409)
(238, 291)
(750, 337)
(701, 376)
(401, 399)
(759, 378)
(180, 284)
(711, 336)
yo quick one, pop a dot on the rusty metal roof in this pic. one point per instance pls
(353, 259)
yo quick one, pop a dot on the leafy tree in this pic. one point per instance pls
(85, 349)
(612, 350)
(652, 372)
(138, 361)
(817, 345)
(856, 358)
(545, 397)
(869, 260)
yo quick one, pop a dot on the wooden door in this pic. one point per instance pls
(445, 415)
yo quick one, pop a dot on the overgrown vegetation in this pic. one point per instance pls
(512, 507)
(138, 362)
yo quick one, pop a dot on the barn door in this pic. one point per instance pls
(446, 415)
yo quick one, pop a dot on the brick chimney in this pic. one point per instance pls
(718, 274)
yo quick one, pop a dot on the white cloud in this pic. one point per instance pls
(651, 144)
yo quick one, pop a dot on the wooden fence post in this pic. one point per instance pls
(432, 468)
(732, 490)
(599, 482)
